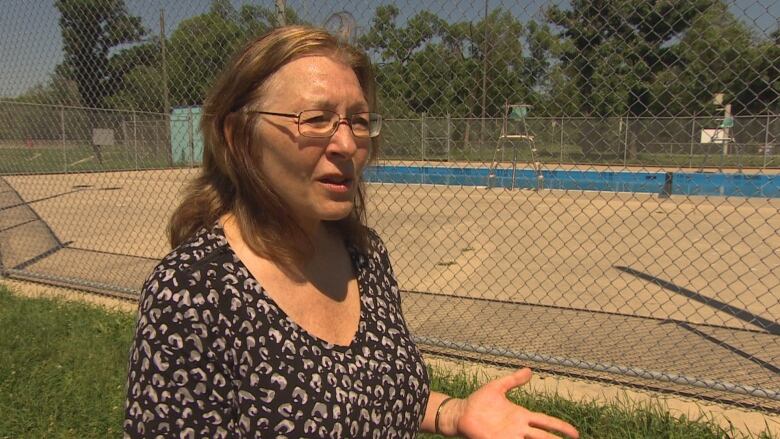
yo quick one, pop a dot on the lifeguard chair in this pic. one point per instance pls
(515, 113)
(722, 134)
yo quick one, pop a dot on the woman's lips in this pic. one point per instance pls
(336, 184)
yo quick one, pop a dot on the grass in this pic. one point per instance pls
(82, 158)
(63, 368)
(618, 420)
(42, 160)
(572, 154)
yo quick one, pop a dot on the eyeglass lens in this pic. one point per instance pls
(324, 123)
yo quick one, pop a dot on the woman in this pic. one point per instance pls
(277, 313)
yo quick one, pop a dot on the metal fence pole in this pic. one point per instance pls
(448, 137)
(190, 140)
(766, 141)
(422, 136)
(135, 140)
(62, 132)
(625, 145)
(693, 138)
(561, 140)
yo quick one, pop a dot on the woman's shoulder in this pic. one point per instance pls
(190, 263)
(375, 246)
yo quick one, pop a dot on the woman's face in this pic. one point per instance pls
(316, 177)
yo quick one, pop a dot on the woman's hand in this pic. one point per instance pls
(487, 413)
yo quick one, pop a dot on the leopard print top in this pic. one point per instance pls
(213, 356)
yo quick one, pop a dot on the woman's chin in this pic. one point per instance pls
(336, 211)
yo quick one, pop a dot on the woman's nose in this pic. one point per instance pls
(343, 140)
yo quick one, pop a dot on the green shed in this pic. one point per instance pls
(186, 138)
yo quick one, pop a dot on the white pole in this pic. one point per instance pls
(693, 137)
(726, 129)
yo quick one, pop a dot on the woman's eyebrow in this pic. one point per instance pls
(326, 104)
(358, 107)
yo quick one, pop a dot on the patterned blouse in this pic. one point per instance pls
(214, 356)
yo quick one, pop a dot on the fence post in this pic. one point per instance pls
(135, 140)
(422, 136)
(625, 145)
(766, 140)
(561, 140)
(666, 191)
(448, 136)
(190, 140)
(62, 132)
(693, 138)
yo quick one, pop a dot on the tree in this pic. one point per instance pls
(614, 50)
(722, 55)
(202, 45)
(436, 67)
(91, 29)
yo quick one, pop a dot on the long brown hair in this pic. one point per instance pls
(230, 180)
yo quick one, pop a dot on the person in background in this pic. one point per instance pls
(277, 313)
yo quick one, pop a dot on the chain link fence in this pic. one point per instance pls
(590, 188)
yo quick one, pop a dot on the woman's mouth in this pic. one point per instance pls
(336, 183)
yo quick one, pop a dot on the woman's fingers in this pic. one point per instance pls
(509, 382)
(549, 423)
(537, 433)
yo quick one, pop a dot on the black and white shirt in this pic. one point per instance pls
(214, 356)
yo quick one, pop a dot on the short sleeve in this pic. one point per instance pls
(379, 251)
(179, 377)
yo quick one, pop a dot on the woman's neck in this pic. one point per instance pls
(324, 237)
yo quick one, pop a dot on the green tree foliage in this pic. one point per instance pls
(614, 49)
(603, 58)
(137, 71)
(202, 45)
(435, 67)
(722, 55)
(91, 29)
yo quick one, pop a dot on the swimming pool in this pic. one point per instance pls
(682, 183)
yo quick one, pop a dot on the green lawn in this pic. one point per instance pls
(62, 369)
(63, 366)
(44, 160)
(573, 155)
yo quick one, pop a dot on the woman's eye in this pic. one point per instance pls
(316, 120)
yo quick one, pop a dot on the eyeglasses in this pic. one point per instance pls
(324, 123)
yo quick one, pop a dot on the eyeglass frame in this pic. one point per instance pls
(347, 118)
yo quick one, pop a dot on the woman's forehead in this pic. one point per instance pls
(315, 80)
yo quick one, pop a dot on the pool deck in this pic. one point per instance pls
(679, 285)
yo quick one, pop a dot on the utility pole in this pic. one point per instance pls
(166, 99)
(280, 16)
(484, 75)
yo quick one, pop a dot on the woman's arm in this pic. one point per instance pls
(487, 413)
(447, 423)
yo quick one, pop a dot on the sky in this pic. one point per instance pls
(31, 46)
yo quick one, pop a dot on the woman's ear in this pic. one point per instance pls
(228, 129)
